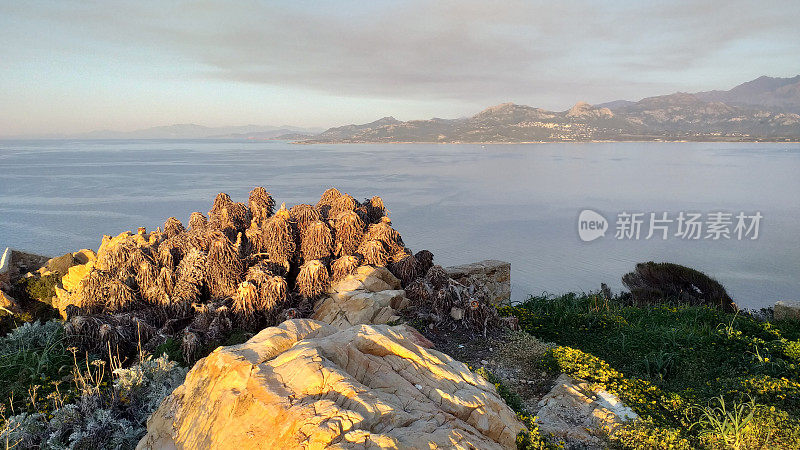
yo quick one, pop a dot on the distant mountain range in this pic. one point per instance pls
(192, 131)
(763, 109)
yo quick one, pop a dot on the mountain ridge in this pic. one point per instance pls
(679, 116)
(184, 131)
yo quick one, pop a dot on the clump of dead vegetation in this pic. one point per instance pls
(246, 266)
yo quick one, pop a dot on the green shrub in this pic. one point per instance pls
(669, 362)
(34, 361)
(114, 418)
(654, 282)
(37, 288)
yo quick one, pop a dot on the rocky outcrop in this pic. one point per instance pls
(307, 384)
(786, 310)
(8, 305)
(489, 278)
(579, 414)
(5, 267)
(14, 263)
(371, 295)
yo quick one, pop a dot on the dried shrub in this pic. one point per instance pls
(189, 279)
(237, 216)
(90, 294)
(278, 238)
(113, 257)
(400, 255)
(304, 215)
(118, 295)
(166, 281)
(317, 241)
(255, 238)
(349, 233)
(261, 204)
(419, 292)
(424, 261)
(480, 315)
(148, 281)
(173, 227)
(384, 232)
(223, 269)
(328, 198)
(313, 279)
(245, 301)
(654, 282)
(190, 346)
(342, 204)
(221, 201)
(344, 266)
(405, 269)
(266, 268)
(171, 251)
(221, 325)
(101, 290)
(373, 253)
(374, 209)
(437, 277)
(273, 293)
(198, 222)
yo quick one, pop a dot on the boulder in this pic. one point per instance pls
(9, 305)
(579, 414)
(305, 384)
(84, 256)
(75, 274)
(786, 310)
(371, 295)
(60, 264)
(5, 266)
(491, 278)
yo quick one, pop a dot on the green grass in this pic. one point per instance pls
(673, 365)
(34, 364)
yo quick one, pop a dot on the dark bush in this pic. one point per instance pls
(654, 283)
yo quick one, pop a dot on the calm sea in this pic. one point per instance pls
(518, 203)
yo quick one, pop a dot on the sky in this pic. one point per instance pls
(70, 67)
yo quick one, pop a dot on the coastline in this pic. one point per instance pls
(592, 141)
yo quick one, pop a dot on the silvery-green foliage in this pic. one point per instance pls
(143, 386)
(94, 423)
(33, 334)
(22, 430)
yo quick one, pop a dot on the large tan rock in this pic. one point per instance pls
(8, 305)
(371, 295)
(84, 256)
(580, 414)
(75, 274)
(305, 384)
(60, 264)
(5, 266)
(490, 278)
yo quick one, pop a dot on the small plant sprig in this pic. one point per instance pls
(728, 423)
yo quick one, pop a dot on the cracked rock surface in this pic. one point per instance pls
(579, 414)
(371, 295)
(306, 384)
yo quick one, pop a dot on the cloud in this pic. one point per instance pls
(472, 51)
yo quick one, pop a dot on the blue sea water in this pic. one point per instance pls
(518, 203)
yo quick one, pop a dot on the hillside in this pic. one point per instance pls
(757, 110)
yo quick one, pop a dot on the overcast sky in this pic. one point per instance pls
(79, 66)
